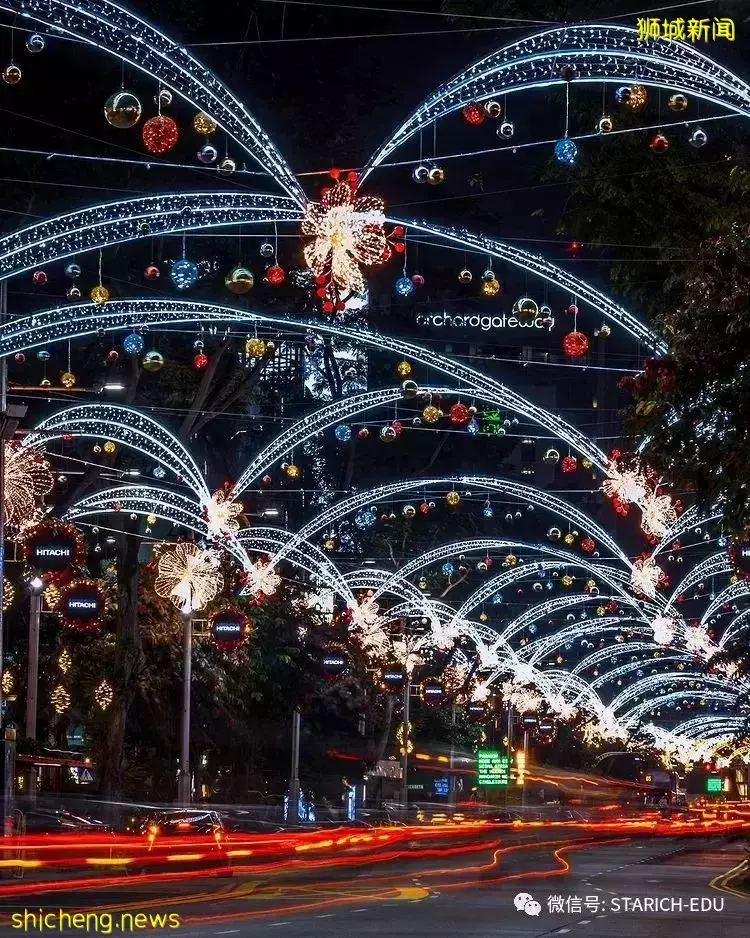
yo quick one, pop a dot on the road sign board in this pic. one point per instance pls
(493, 768)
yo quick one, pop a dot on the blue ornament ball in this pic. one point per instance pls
(365, 518)
(133, 343)
(343, 432)
(159, 472)
(497, 599)
(184, 274)
(35, 43)
(43, 355)
(447, 568)
(566, 151)
(488, 511)
(404, 286)
(472, 427)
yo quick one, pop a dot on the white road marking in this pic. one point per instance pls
(327, 915)
(274, 924)
(584, 921)
(232, 931)
(561, 931)
(601, 916)
(359, 910)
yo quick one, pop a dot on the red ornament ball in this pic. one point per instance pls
(200, 361)
(152, 272)
(659, 143)
(39, 277)
(363, 433)
(159, 134)
(398, 427)
(424, 508)
(588, 545)
(459, 413)
(571, 310)
(568, 464)
(574, 248)
(266, 480)
(417, 280)
(113, 355)
(275, 275)
(474, 113)
(19, 357)
(575, 344)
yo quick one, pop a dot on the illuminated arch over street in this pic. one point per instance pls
(111, 28)
(598, 53)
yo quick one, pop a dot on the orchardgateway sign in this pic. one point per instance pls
(484, 321)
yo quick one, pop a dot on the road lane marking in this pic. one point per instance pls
(561, 931)
(275, 924)
(584, 921)
(231, 931)
(327, 915)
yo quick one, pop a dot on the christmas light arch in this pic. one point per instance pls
(597, 52)
(111, 28)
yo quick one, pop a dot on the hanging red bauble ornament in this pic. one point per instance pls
(659, 143)
(19, 357)
(424, 508)
(39, 277)
(398, 427)
(571, 309)
(459, 414)
(152, 272)
(113, 355)
(575, 344)
(588, 545)
(266, 480)
(275, 275)
(474, 113)
(417, 280)
(159, 134)
(200, 361)
(568, 464)
(363, 433)
(574, 248)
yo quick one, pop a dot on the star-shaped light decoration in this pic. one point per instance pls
(187, 575)
(348, 234)
(222, 514)
(664, 629)
(658, 514)
(28, 478)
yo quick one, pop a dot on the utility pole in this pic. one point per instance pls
(294, 786)
(184, 780)
(452, 777)
(405, 747)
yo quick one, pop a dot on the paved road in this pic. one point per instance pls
(583, 889)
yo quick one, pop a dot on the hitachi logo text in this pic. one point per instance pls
(82, 604)
(52, 552)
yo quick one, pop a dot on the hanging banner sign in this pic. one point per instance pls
(228, 629)
(82, 606)
(334, 664)
(433, 693)
(53, 548)
(393, 678)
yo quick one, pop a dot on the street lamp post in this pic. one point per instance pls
(184, 781)
(405, 747)
(294, 785)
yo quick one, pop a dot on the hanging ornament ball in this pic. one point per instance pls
(19, 358)
(293, 471)
(184, 273)
(73, 271)
(634, 97)
(490, 286)
(554, 534)
(465, 275)
(151, 272)
(266, 250)
(431, 414)
(122, 110)
(363, 433)
(275, 275)
(436, 175)
(410, 389)
(408, 511)
(403, 369)
(551, 455)
(421, 173)
(417, 280)
(159, 134)
(659, 143)
(110, 446)
(604, 331)
(488, 511)
(153, 361)
(459, 414)
(586, 463)
(39, 277)
(68, 379)
(493, 109)
(204, 124)
(200, 361)
(207, 154)
(571, 309)
(11, 74)
(35, 43)
(474, 113)
(506, 130)
(698, 138)
(343, 433)
(569, 464)
(239, 280)
(113, 355)
(133, 343)
(388, 434)
(588, 545)
(163, 98)
(403, 286)
(677, 102)
(453, 498)
(45, 383)
(605, 125)
(227, 165)
(255, 347)
(99, 294)
(566, 151)
(526, 307)
(575, 344)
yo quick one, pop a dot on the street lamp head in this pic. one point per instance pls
(36, 583)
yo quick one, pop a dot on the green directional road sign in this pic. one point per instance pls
(493, 768)
(713, 784)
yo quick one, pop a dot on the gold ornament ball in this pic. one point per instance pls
(453, 498)
(431, 414)
(567, 580)
(239, 280)
(255, 347)
(526, 307)
(122, 110)
(403, 369)
(436, 176)
(110, 446)
(67, 379)
(151, 519)
(99, 295)
(408, 511)
(569, 539)
(586, 463)
(153, 361)
(292, 471)
(493, 109)
(490, 287)
(11, 74)
(637, 98)
(511, 560)
(483, 617)
(204, 124)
